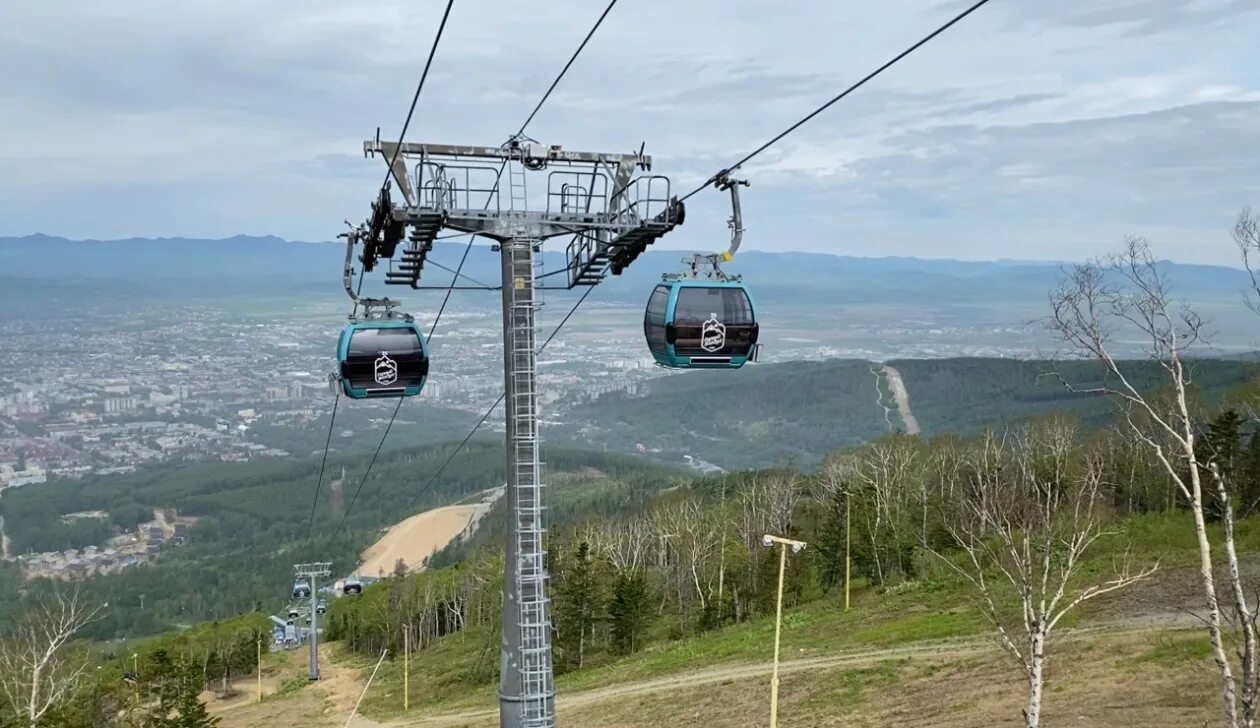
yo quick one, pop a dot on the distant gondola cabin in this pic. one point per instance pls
(386, 358)
(701, 324)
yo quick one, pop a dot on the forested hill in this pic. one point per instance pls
(796, 412)
(252, 521)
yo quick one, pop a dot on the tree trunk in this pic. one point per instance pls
(1228, 694)
(1242, 611)
(31, 711)
(1036, 679)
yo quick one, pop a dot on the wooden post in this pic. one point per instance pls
(260, 670)
(847, 570)
(778, 623)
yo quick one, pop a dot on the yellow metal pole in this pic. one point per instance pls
(406, 668)
(260, 671)
(847, 510)
(778, 625)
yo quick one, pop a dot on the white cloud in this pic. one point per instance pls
(238, 116)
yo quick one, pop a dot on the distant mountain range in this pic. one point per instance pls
(58, 267)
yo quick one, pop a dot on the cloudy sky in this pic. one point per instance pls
(1033, 129)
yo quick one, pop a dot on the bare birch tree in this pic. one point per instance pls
(39, 668)
(1127, 294)
(626, 544)
(887, 477)
(1247, 236)
(1024, 521)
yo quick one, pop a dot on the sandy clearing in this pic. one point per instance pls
(418, 537)
(902, 396)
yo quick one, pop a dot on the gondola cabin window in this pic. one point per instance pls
(654, 320)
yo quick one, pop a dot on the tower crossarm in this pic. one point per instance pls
(517, 149)
(465, 188)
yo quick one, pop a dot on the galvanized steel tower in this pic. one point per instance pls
(612, 213)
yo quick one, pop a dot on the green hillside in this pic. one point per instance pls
(756, 416)
(252, 521)
(962, 396)
(707, 597)
(252, 518)
(795, 412)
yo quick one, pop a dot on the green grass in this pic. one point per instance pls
(922, 627)
(440, 676)
(1176, 649)
(290, 686)
(457, 673)
(847, 690)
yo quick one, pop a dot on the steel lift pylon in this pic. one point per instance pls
(613, 210)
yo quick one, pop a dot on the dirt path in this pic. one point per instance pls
(324, 704)
(898, 388)
(944, 649)
(714, 675)
(879, 401)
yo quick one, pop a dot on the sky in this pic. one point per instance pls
(1030, 130)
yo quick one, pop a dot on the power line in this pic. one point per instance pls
(416, 97)
(449, 290)
(565, 70)
(484, 417)
(359, 489)
(320, 481)
(841, 95)
(455, 274)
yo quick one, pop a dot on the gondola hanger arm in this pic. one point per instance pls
(736, 221)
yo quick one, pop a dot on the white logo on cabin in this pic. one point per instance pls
(713, 335)
(386, 370)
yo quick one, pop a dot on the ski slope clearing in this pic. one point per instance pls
(422, 535)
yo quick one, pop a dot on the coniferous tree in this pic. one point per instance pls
(577, 594)
(177, 691)
(629, 611)
(1221, 448)
(191, 711)
(1248, 476)
(830, 541)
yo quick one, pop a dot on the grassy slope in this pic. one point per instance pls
(938, 609)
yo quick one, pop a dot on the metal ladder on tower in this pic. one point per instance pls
(519, 200)
(517, 194)
(534, 622)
